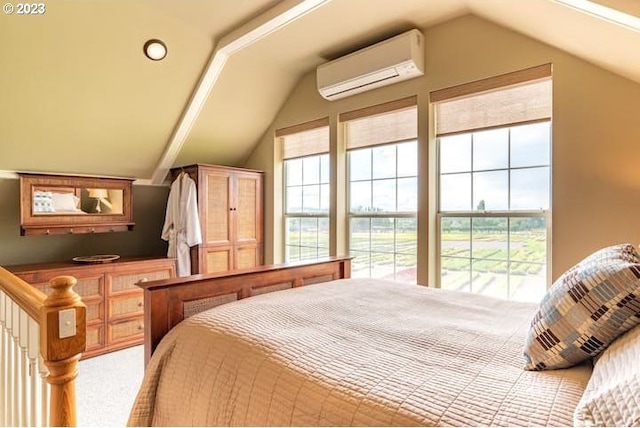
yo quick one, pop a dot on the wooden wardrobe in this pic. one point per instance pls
(230, 207)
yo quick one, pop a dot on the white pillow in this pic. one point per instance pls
(65, 202)
(612, 396)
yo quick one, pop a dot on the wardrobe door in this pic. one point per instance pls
(248, 220)
(248, 209)
(217, 258)
(216, 218)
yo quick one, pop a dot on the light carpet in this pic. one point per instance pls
(107, 386)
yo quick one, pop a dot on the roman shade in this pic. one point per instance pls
(307, 139)
(387, 123)
(515, 98)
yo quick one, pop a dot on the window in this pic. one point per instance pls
(306, 191)
(494, 190)
(383, 190)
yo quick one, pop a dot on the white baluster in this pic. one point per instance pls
(24, 391)
(23, 338)
(10, 374)
(15, 334)
(44, 373)
(33, 350)
(3, 362)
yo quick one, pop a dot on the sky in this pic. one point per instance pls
(495, 170)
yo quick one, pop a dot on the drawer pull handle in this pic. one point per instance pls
(47, 232)
(144, 280)
(141, 327)
(139, 304)
(71, 230)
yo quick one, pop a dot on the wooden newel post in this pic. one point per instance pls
(62, 341)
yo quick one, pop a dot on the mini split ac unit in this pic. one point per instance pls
(390, 61)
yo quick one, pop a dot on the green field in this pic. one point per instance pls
(483, 258)
(491, 252)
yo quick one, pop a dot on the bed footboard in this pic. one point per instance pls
(167, 302)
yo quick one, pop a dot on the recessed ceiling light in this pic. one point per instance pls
(155, 49)
(603, 12)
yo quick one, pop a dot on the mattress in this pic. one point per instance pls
(355, 352)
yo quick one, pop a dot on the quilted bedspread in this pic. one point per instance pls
(355, 352)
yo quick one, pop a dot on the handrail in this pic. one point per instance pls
(27, 296)
(60, 355)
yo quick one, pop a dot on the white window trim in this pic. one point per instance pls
(546, 214)
(286, 215)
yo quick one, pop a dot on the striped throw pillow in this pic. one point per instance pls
(586, 309)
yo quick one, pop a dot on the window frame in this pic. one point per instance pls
(507, 214)
(302, 215)
(393, 215)
(280, 136)
(532, 88)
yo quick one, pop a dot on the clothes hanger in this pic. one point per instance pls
(182, 173)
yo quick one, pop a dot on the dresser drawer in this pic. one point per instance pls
(95, 311)
(125, 330)
(85, 287)
(125, 305)
(95, 337)
(121, 283)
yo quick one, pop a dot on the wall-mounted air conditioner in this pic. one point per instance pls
(390, 61)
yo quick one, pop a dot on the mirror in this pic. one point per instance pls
(58, 204)
(77, 201)
(101, 201)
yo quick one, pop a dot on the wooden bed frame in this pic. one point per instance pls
(168, 302)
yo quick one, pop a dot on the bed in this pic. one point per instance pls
(342, 352)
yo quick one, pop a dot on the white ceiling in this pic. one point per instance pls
(78, 96)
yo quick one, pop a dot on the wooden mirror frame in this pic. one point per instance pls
(53, 223)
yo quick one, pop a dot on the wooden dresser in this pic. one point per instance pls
(115, 312)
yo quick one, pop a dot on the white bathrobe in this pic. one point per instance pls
(182, 225)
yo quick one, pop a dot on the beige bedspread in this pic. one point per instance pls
(355, 352)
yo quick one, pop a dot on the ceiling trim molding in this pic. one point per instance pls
(8, 174)
(272, 20)
(606, 13)
(13, 175)
(148, 182)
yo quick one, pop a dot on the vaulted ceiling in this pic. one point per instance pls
(78, 96)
